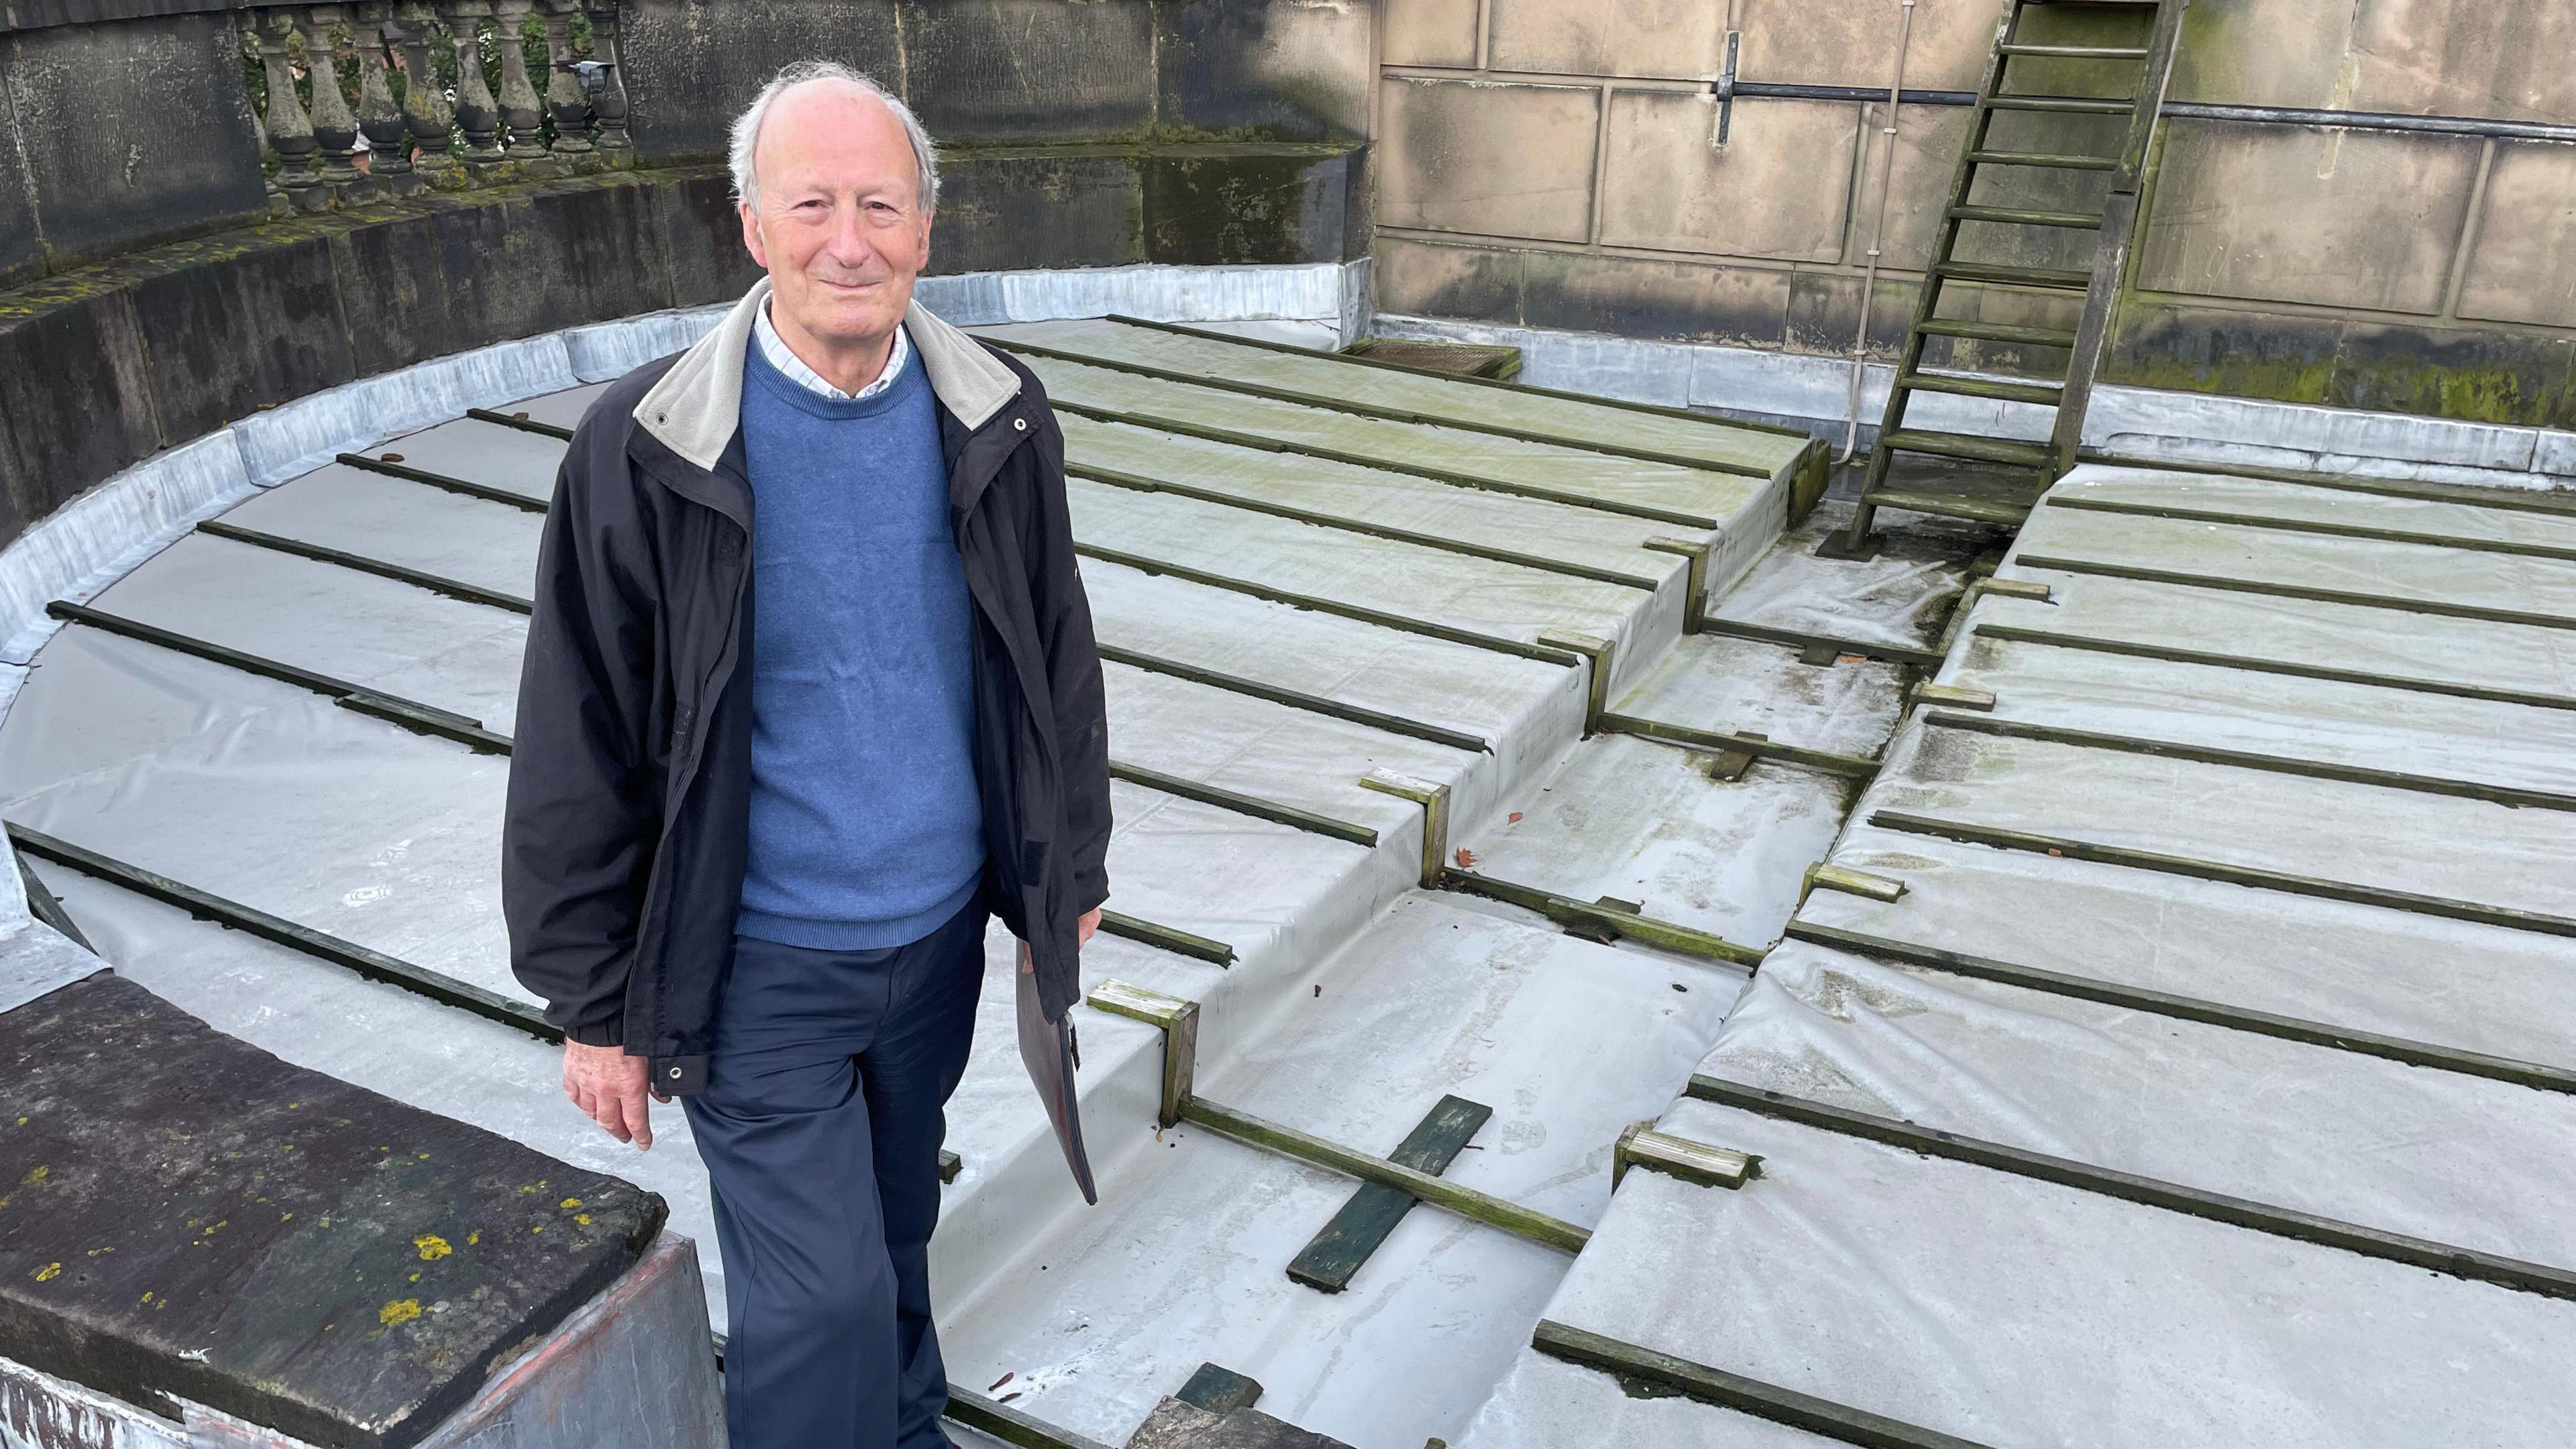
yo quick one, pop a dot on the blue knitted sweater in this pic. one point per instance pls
(866, 825)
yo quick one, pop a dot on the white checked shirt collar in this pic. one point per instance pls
(774, 348)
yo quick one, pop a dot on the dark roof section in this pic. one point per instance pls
(184, 1215)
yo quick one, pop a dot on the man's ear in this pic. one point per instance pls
(751, 235)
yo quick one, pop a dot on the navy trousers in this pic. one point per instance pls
(820, 1127)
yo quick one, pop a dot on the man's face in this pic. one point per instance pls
(839, 222)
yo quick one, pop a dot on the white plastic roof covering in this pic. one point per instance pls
(260, 791)
(2008, 1310)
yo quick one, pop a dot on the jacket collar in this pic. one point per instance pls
(696, 408)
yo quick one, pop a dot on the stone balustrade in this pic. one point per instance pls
(451, 127)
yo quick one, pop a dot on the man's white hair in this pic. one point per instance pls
(746, 127)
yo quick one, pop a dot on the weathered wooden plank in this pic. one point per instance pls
(1329, 1260)
(1467, 1202)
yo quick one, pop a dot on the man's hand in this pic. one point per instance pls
(1083, 928)
(608, 1084)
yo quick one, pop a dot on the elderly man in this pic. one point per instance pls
(770, 780)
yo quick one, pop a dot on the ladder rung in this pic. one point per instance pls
(1945, 505)
(1975, 449)
(2015, 216)
(2061, 105)
(2044, 158)
(1998, 332)
(2081, 52)
(2045, 394)
(2053, 278)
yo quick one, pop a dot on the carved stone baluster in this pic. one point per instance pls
(426, 110)
(610, 107)
(565, 98)
(249, 37)
(519, 104)
(388, 145)
(475, 112)
(290, 134)
(335, 131)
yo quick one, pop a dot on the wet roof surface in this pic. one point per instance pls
(2231, 968)
(1279, 624)
(1307, 570)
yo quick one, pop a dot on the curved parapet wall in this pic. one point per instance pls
(196, 233)
(108, 364)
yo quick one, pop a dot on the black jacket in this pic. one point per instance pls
(627, 825)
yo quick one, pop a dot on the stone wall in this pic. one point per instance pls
(152, 300)
(1164, 130)
(118, 134)
(1558, 163)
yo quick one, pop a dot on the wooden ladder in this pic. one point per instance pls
(2066, 391)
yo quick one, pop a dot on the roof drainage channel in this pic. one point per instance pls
(1805, 639)
(1852, 767)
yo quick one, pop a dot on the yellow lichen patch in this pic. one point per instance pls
(39, 1175)
(147, 1297)
(432, 1247)
(582, 1218)
(473, 1237)
(568, 1204)
(49, 1272)
(401, 1310)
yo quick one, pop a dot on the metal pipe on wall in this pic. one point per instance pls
(1877, 232)
(2493, 126)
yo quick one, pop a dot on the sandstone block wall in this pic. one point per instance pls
(1074, 134)
(1560, 163)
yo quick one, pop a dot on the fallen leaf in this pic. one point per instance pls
(1006, 1398)
(393, 457)
(1466, 857)
(1515, 820)
(997, 1383)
